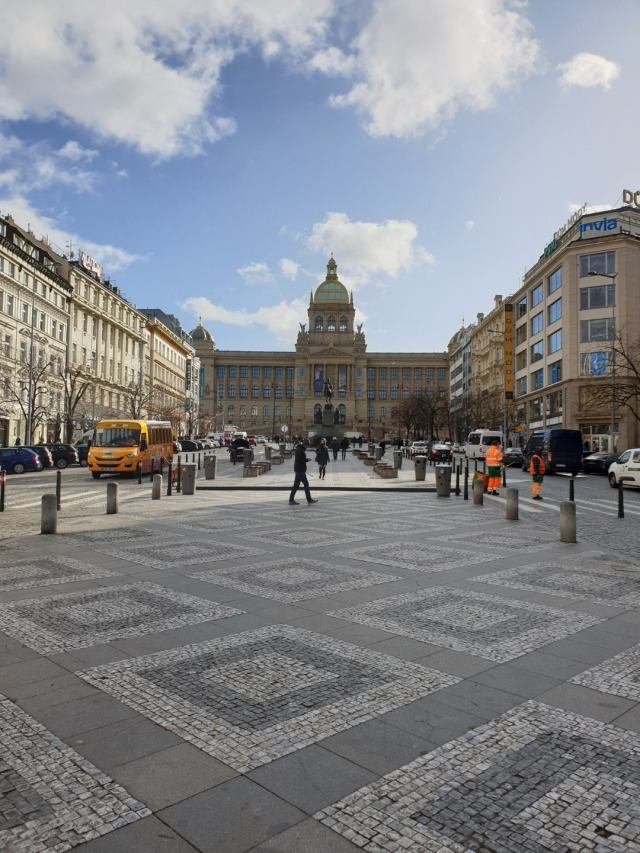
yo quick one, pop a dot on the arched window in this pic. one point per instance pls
(276, 411)
(289, 391)
(382, 392)
(342, 413)
(289, 411)
(394, 392)
(266, 391)
(265, 411)
(343, 323)
(221, 390)
(255, 392)
(417, 391)
(371, 393)
(318, 325)
(243, 391)
(383, 412)
(331, 324)
(278, 391)
(230, 412)
(254, 411)
(243, 411)
(232, 391)
(370, 413)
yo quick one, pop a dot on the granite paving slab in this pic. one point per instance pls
(416, 556)
(26, 572)
(301, 537)
(619, 675)
(170, 554)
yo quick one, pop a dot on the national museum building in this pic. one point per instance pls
(273, 392)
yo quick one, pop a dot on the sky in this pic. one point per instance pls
(212, 155)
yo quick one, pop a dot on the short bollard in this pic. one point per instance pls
(139, 467)
(397, 459)
(156, 487)
(567, 521)
(478, 492)
(210, 465)
(465, 492)
(512, 504)
(112, 498)
(571, 490)
(59, 489)
(49, 514)
(420, 467)
(188, 477)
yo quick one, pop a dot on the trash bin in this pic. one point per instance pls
(247, 457)
(397, 459)
(420, 465)
(378, 454)
(188, 477)
(210, 464)
(443, 481)
(267, 453)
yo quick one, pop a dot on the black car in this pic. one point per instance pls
(83, 451)
(512, 456)
(440, 452)
(44, 454)
(63, 454)
(598, 463)
(188, 445)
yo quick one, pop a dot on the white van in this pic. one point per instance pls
(479, 441)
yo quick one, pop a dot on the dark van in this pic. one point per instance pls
(561, 450)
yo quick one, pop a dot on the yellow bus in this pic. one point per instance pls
(120, 446)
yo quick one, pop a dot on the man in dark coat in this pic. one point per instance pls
(300, 470)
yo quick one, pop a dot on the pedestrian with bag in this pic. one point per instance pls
(493, 459)
(537, 470)
(344, 446)
(335, 447)
(300, 470)
(322, 458)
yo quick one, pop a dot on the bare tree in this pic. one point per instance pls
(75, 385)
(16, 392)
(620, 389)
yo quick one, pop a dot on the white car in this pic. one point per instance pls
(626, 465)
(419, 448)
(261, 439)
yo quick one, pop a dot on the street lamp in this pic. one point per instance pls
(273, 425)
(400, 390)
(613, 277)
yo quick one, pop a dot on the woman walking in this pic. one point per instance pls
(322, 458)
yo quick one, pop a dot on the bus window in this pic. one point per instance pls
(117, 437)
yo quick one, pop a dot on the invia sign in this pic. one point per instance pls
(604, 224)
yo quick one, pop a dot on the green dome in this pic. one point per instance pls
(331, 290)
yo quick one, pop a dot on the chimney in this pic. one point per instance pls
(480, 317)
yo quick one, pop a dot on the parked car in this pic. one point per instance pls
(598, 463)
(440, 452)
(261, 439)
(626, 465)
(561, 450)
(63, 454)
(83, 452)
(17, 460)
(44, 454)
(177, 447)
(418, 448)
(252, 439)
(189, 446)
(512, 456)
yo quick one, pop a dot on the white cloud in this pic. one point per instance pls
(288, 268)
(256, 273)
(37, 167)
(418, 64)
(364, 250)
(281, 320)
(588, 70)
(470, 225)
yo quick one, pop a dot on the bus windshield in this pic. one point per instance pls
(117, 437)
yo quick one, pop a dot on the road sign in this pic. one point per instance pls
(284, 428)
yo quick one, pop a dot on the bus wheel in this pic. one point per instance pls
(95, 475)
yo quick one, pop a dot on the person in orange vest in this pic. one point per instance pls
(536, 469)
(493, 458)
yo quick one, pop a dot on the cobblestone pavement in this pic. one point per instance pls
(383, 670)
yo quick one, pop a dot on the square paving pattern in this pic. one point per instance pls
(81, 619)
(619, 675)
(43, 571)
(511, 541)
(498, 629)
(293, 579)
(51, 798)
(114, 534)
(302, 537)
(597, 584)
(535, 780)
(253, 697)
(176, 553)
(415, 555)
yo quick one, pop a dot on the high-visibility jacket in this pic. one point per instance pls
(536, 465)
(493, 456)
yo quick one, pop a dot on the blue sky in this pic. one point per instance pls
(212, 155)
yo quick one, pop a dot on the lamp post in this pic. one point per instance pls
(273, 425)
(613, 277)
(400, 390)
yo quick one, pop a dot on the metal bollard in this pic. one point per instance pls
(49, 514)
(179, 483)
(170, 472)
(478, 492)
(465, 493)
(139, 466)
(198, 461)
(571, 490)
(3, 483)
(504, 476)
(58, 488)
(152, 472)
(156, 488)
(161, 465)
(458, 480)
(512, 504)
(567, 521)
(620, 495)
(112, 498)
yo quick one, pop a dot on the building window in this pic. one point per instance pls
(429, 374)
(597, 297)
(289, 372)
(383, 412)
(555, 341)
(289, 392)
(255, 373)
(536, 295)
(265, 411)
(521, 308)
(276, 411)
(344, 323)
(603, 263)
(554, 404)
(394, 392)
(220, 372)
(232, 372)
(231, 412)
(331, 323)
(441, 374)
(537, 379)
(406, 373)
(266, 391)
(358, 391)
(393, 373)
(521, 334)
(301, 371)
(594, 363)
(266, 373)
(521, 360)
(597, 330)
(301, 391)
(555, 280)
(555, 310)
(382, 392)
(417, 374)
(537, 351)
(244, 373)
(536, 324)
(555, 372)
(371, 413)
(278, 392)
(371, 393)
(278, 373)
(254, 411)
(255, 391)
(371, 373)
(318, 324)
(535, 409)
(521, 386)
(429, 392)
(244, 391)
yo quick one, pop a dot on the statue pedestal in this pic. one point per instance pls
(328, 416)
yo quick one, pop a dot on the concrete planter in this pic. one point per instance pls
(252, 471)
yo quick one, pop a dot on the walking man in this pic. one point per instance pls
(537, 469)
(493, 458)
(300, 470)
(344, 446)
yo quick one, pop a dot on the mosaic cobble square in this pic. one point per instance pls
(600, 585)
(170, 554)
(534, 780)
(114, 534)
(302, 537)
(251, 698)
(81, 619)
(293, 579)
(416, 556)
(502, 539)
(498, 629)
(51, 798)
(45, 571)
(619, 675)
